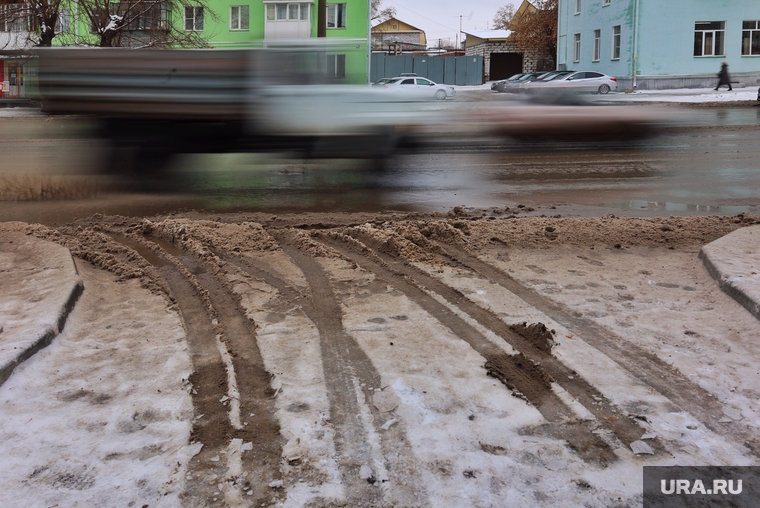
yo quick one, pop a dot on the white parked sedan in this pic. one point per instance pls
(417, 87)
(584, 81)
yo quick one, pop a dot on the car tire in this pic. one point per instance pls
(440, 94)
(603, 89)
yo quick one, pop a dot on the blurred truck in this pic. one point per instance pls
(152, 104)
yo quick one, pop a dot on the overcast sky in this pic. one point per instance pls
(440, 18)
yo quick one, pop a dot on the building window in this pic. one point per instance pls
(14, 18)
(336, 66)
(709, 37)
(142, 15)
(751, 38)
(63, 24)
(605, 2)
(194, 19)
(577, 6)
(577, 48)
(597, 44)
(288, 11)
(616, 42)
(336, 15)
(239, 17)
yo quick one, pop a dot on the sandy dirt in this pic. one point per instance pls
(384, 360)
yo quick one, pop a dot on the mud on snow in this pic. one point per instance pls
(442, 360)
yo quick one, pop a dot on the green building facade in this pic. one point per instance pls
(247, 24)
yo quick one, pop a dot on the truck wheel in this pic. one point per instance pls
(129, 159)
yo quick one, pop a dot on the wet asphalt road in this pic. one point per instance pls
(709, 162)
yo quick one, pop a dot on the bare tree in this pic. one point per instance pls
(502, 20)
(537, 30)
(144, 23)
(31, 23)
(128, 23)
(381, 14)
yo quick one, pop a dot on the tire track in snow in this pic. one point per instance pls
(643, 365)
(625, 429)
(519, 372)
(229, 371)
(352, 382)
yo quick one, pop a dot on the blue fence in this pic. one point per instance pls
(451, 70)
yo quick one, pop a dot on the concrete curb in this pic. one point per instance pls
(734, 261)
(45, 338)
(36, 324)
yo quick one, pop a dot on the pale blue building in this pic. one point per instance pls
(657, 44)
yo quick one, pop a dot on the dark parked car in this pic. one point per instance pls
(496, 84)
(513, 83)
(542, 78)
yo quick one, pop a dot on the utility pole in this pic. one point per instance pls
(322, 18)
(460, 30)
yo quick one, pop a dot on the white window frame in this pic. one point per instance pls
(240, 18)
(616, 38)
(15, 18)
(282, 11)
(193, 19)
(337, 13)
(750, 35)
(717, 37)
(336, 66)
(577, 6)
(145, 16)
(597, 45)
(576, 47)
(63, 23)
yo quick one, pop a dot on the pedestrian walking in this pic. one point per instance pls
(723, 77)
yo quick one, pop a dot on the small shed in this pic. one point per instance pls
(501, 58)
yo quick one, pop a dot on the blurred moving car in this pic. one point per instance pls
(583, 81)
(496, 84)
(532, 122)
(417, 87)
(512, 84)
(541, 79)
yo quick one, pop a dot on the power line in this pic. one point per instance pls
(421, 15)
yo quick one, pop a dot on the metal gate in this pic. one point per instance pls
(451, 70)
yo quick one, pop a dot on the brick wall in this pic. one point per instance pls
(532, 60)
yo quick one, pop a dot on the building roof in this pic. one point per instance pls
(389, 21)
(489, 34)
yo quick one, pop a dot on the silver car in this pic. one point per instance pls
(529, 84)
(584, 81)
(415, 87)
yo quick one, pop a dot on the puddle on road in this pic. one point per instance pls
(684, 208)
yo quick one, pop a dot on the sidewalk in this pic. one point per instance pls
(683, 95)
(678, 95)
(39, 287)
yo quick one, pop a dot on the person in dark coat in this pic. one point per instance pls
(723, 77)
